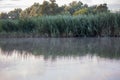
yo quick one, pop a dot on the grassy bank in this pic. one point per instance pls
(104, 24)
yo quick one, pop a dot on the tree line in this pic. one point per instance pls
(52, 8)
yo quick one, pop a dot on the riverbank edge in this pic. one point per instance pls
(8, 35)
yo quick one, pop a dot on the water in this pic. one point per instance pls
(60, 59)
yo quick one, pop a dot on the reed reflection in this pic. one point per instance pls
(62, 47)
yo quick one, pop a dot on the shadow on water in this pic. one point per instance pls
(63, 47)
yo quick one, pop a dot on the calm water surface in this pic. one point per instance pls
(60, 59)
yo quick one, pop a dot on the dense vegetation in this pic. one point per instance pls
(104, 24)
(50, 20)
(52, 8)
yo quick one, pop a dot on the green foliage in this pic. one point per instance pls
(26, 25)
(51, 8)
(103, 24)
(34, 10)
(9, 26)
(81, 11)
(74, 6)
(15, 14)
(0, 26)
(101, 8)
(3, 16)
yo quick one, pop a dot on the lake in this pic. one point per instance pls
(60, 58)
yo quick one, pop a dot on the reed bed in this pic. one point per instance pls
(103, 24)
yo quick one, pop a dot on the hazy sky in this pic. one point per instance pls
(7, 5)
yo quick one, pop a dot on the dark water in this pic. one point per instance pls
(60, 59)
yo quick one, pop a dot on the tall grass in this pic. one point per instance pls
(104, 24)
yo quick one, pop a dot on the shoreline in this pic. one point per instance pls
(7, 35)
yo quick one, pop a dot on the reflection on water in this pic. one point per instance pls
(57, 47)
(60, 59)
